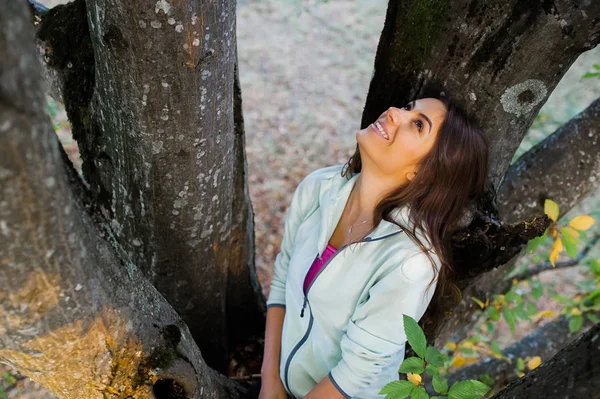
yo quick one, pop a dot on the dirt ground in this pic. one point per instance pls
(304, 76)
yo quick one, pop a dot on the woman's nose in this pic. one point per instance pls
(393, 114)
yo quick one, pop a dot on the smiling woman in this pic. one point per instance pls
(376, 232)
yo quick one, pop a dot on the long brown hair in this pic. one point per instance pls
(449, 179)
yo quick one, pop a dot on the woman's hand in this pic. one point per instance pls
(271, 387)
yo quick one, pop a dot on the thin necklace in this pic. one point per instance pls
(363, 222)
(350, 229)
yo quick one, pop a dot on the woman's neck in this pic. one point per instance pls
(367, 192)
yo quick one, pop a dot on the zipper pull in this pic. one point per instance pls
(303, 306)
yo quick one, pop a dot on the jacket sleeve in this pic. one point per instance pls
(293, 217)
(375, 333)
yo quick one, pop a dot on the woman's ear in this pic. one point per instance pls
(411, 175)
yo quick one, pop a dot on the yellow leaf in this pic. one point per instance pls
(458, 361)
(414, 378)
(551, 209)
(450, 345)
(583, 222)
(515, 281)
(544, 313)
(557, 247)
(481, 304)
(572, 232)
(576, 312)
(534, 362)
(471, 360)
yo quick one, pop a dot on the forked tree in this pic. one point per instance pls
(139, 279)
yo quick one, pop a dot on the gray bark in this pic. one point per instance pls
(574, 372)
(500, 59)
(564, 167)
(162, 141)
(76, 315)
(544, 342)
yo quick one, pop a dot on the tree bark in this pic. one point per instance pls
(564, 167)
(544, 342)
(475, 51)
(76, 316)
(162, 141)
(574, 372)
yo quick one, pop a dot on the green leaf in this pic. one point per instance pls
(491, 327)
(419, 393)
(414, 334)
(487, 379)
(432, 370)
(440, 384)
(593, 318)
(496, 348)
(469, 389)
(551, 209)
(569, 242)
(520, 312)
(397, 389)
(466, 350)
(509, 316)
(494, 313)
(531, 308)
(412, 365)
(433, 356)
(575, 323)
(590, 75)
(520, 364)
(535, 242)
(538, 289)
(511, 296)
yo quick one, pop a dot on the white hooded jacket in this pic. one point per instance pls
(349, 325)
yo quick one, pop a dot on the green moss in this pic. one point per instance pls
(420, 25)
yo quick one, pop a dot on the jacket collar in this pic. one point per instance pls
(333, 196)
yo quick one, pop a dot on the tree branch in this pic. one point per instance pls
(545, 342)
(565, 375)
(541, 267)
(564, 167)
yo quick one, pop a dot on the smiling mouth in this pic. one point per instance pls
(379, 129)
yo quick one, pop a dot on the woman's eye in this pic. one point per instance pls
(420, 125)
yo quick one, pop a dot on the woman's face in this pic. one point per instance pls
(411, 132)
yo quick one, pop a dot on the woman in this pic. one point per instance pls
(364, 244)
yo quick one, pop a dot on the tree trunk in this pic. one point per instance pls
(545, 171)
(477, 51)
(76, 316)
(574, 372)
(153, 95)
(162, 141)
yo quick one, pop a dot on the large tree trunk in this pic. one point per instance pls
(76, 316)
(564, 167)
(162, 141)
(152, 91)
(501, 59)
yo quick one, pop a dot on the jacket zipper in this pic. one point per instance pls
(305, 337)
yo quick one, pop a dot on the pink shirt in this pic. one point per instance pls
(318, 265)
